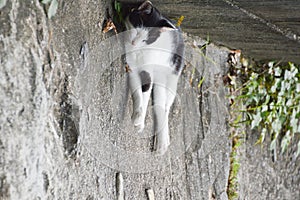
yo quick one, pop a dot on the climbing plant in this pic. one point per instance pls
(270, 95)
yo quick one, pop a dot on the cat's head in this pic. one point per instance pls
(146, 15)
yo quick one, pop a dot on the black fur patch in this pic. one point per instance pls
(153, 34)
(135, 19)
(146, 81)
(177, 58)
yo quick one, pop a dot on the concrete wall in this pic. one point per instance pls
(263, 30)
(65, 129)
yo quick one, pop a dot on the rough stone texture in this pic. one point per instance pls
(264, 29)
(65, 113)
(261, 177)
(65, 129)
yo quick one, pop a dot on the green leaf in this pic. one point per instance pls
(52, 9)
(294, 69)
(285, 142)
(277, 71)
(264, 108)
(117, 7)
(270, 65)
(263, 134)
(269, 117)
(275, 85)
(276, 125)
(287, 75)
(289, 102)
(294, 121)
(298, 150)
(238, 118)
(2, 3)
(298, 87)
(256, 120)
(253, 76)
(273, 145)
(262, 90)
(46, 1)
(267, 99)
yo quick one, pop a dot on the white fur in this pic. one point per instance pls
(155, 59)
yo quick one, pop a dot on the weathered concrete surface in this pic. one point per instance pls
(262, 178)
(65, 127)
(65, 117)
(264, 30)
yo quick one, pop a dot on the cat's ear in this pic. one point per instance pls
(146, 7)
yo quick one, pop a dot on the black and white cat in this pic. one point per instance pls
(154, 52)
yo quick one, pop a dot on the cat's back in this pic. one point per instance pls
(152, 39)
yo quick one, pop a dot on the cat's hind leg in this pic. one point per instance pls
(164, 93)
(161, 125)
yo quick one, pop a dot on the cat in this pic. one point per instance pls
(154, 52)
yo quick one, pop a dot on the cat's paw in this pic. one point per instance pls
(139, 127)
(162, 149)
(162, 145)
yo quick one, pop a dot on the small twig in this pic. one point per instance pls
(211, 195)
(120, 186)
(150, 194)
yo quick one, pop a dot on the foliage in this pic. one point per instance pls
(2, 3)
(117, 6)
(234, 169)
(118, 10)
(52, 8)
(270, 95)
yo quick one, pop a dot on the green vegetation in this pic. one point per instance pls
(118, 17)
(232, 190)
(265, 98)
(270, 95)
